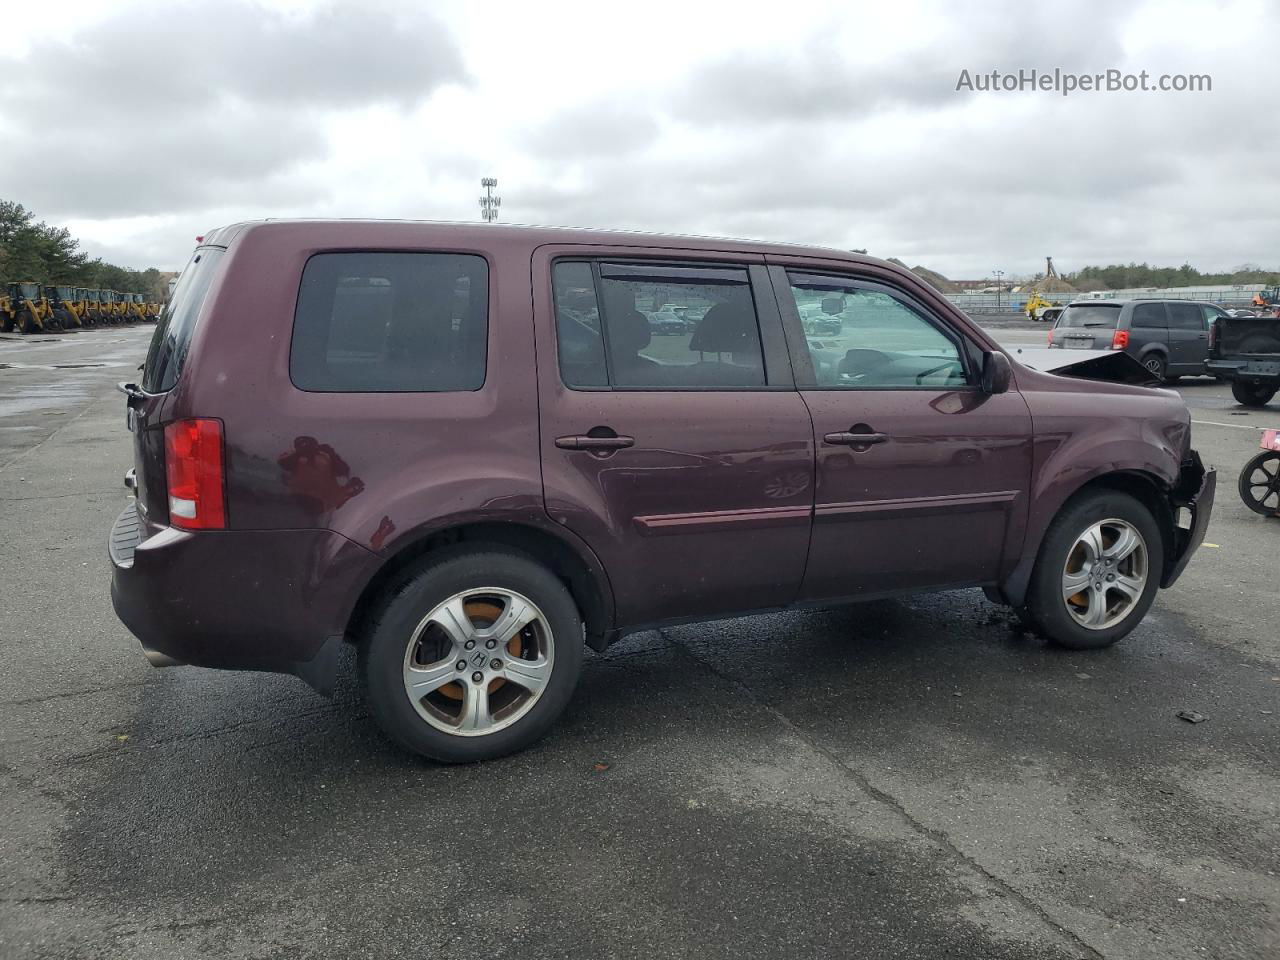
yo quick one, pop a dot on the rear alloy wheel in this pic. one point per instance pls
(1097, 572)
(1156, 364)
(1251, 394)
(1260, 484)
(474, 656)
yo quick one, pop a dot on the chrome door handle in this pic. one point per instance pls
(846, 438)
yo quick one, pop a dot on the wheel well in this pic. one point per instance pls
(1146, 490)
(547, 549)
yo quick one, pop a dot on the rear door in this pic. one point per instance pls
(1148, 330)
(685, 461)
(922, 478)
(1188, 338)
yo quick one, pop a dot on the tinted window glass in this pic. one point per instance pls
(580, 344)
(1148, 315)
(1090, 315)
(661, 327)
(1185, 316)
(881, 341)
(172, 336)
(391, 322)
(1212, 313)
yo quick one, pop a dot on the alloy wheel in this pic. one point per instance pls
(479, 661)
(1105, 574)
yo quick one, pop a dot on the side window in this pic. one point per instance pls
(1185, 316)
(1212, 313)
(1149, 316)
(580, 343)
(865, 339)
(651, 326)
(391, 323)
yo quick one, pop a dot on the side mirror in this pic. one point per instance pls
(996, 372)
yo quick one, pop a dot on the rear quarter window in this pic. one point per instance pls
(177, 324)
(391, 323)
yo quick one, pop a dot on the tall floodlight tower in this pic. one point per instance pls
(489, 203)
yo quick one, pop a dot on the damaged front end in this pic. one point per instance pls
(1191, 500)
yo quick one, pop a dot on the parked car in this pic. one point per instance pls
(1169, 337)
(341, 437)
(669, 321)
(1246, 351)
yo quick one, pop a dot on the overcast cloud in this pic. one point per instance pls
(831, 123)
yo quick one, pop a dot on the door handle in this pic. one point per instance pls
(846, 438)
(595, 443)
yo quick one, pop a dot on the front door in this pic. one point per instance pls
(922, 477)
(673, 440)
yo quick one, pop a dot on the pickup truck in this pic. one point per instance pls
(1246, 351)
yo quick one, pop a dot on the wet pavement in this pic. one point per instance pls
(913, 778)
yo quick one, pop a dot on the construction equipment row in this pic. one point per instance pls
(30, 308)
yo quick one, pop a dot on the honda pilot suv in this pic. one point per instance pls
(461, 449)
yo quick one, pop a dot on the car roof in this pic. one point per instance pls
(484, 234)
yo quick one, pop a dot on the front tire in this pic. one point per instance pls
(1251, 394)
(1097, 572)
(473, 655)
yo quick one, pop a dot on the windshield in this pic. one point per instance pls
(1090, 315)
(178, 322)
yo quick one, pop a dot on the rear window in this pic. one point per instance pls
(391, 323)
(1090, 315)
(172, 337)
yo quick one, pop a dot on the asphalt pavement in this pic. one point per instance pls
(916, 778)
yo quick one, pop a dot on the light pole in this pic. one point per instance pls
(997, 274)
(489, 204)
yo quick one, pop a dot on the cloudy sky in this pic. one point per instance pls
(140, 125)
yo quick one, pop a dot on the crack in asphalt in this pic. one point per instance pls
(76, 693)
(60, 496)
(122, 750)
(887, 799)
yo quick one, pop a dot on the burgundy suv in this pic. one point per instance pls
(462, 449)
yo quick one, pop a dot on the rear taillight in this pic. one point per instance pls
(1051, 336)
(1213, 334)
(1119, 339)
(193, 467)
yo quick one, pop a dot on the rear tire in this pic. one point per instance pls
(1251, 394)
(1106, 599)
(436, 618)
(1156, 364)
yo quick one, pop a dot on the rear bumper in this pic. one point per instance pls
(1260, 369)
(276, 600)
(1195, 492)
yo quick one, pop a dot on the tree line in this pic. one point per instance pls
(1119, 276)
(35, 250)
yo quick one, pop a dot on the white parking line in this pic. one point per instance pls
(1233, 426)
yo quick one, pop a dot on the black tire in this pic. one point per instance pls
(440, 576)
(1045, 608)
(1262, 496)
(1156, 363)
(1252, 394)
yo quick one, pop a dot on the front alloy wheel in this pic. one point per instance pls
(1105, 574)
